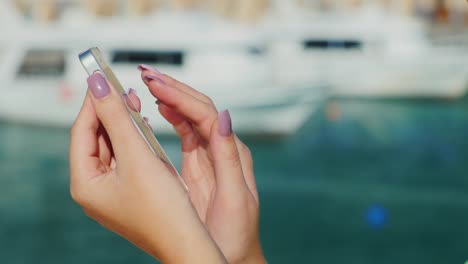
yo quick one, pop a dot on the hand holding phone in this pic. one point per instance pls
(93, 61)
(119, 183)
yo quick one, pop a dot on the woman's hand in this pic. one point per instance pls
(122, 185)
(216, 166)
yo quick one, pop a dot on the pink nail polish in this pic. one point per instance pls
(132, 91)
(150, 78)
(143, 67)
(224, 124)
(147, 123)
(98, 85)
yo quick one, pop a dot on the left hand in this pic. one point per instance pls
(122, 185)
(216, 166)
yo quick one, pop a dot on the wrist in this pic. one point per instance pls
(260, 259)
(186, 241)
(255, 257)
(198, 248)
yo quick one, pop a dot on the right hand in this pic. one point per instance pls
(216, 165)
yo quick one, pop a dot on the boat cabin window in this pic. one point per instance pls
(257, 50)
(332, 44)
(46, 63)
(173, 58)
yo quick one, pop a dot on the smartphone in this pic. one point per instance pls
(93, 61)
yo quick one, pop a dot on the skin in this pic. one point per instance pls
(218, 170)
(122, 185)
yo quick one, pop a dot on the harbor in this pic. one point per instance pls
(316, 191)
(368, 49)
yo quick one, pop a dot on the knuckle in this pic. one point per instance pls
(233, 156)
(241, 204)
(246, 155)
(110, 102)
(208, 100)
(78, 195)
(168, 79)
(110, 109)
(244, 151)
(209, 116)
(116, 105)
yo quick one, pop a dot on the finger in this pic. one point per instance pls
(84, 160)
(200, 114)
(104, 145)
(247, 167)
(182, 127)
(147, 70)
(132, 100)
(147, 122)
(113, 114)
(227, 163)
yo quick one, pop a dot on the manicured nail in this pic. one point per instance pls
(132, 91)
(147, 123)
(130, 103)
(224, 124)
(150, 78)
(143, 67)
(98, 85)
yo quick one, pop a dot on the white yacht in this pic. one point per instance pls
(272, 74)
(44, 82)
(368, 52)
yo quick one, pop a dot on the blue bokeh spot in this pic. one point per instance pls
(376, 216)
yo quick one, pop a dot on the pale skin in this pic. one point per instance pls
(123, 186)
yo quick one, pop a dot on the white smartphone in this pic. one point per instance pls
(93, 61)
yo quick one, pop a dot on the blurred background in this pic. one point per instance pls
(355, 111)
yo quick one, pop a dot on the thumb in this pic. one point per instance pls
(227, 162)
(113, 114)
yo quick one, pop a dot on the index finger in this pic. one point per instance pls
(200, 114)
(146, 70)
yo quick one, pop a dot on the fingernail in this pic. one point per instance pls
(150, 78)
(147, 123)
(132, 91)
(98, 85)
(224, 124)
(143, 67)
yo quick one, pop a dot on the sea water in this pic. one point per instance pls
(362, 182)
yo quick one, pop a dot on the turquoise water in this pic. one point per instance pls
(385, 183)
